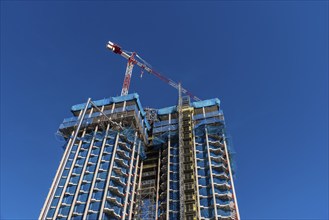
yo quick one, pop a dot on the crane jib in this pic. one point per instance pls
(131, 61)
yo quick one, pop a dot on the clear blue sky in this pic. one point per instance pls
(267, 61)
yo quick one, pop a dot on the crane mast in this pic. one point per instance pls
(130, 56)
(129, 71)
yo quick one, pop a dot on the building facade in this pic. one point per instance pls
(125, 162)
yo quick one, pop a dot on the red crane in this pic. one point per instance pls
(130, 56)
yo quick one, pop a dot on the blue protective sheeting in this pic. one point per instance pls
(79, 107)
(102, 102)
(200, 104)
(205, 103)
(208, 121)
(166, 111)
(128, 97)
(164, 123)
(108, 101)
(165, 128)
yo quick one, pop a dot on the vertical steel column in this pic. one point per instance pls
(83, 169)
(181, 151)
(211, 176)
(158, 185)
(196, 179)
(108, 177)
(113, 107)
(129, 178)
(71, 169)
(61, 166)
(140, 179)
(232, 182)
(55, 182)
(95, 173)
(134, 186)
(168, 179)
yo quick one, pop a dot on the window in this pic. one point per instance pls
(62, 181)
(68, 199)
(58, 191)
(71, 189)
(74, 147)
(74, 179)
(71, 156)
(77, 170)
(92, 216)
(97, 195)
(83, 153)
(85, 187)
(91, 168)
(69, 163)
(93, 159)
(102, 175)
(55, 201)
(51, 212)
(65, 172)
(100, 185)
(95, 206)
(85, 146)
(79, 208)
(110, 142)
(108, 149)
(83, 197)
(80, 161)
(104, 165)
(106, 157)
(64, 210)
(88, 177)
(98, 143)
(95, 151)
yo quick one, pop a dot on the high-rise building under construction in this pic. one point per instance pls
(125, 162)
(122, 161)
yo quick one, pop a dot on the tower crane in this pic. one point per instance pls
(131, 57)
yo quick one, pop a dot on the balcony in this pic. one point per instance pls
(113, 201)
(222, 186)
(119, 171)
(122, 154)
(111, 213)
(121, 163)
(116, 191)
(227, 207)
(224, 196)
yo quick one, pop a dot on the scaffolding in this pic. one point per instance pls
(188, 201)
(147, 193)
(205, 189)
